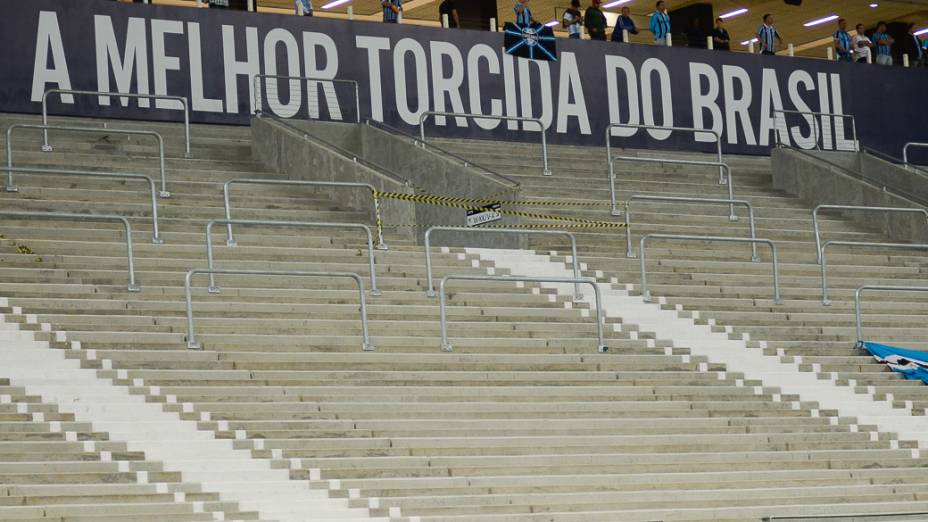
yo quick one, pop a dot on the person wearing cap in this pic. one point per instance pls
(595, 21)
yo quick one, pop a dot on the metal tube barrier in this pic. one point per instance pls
(846, 517)
(156, 238)
(446, 346)
(824, 262)
(695, 131)
(130, 255)
(192, 343)
(646, 294)
(230, 240)
(9, 148)
(257, 90)
(573, 249)
(815, 125)
(214, 288)
(628, 221)
(183, 100)
(731, 189)
(859, 294)
(905, 151)
(541, 128)
(818, 235)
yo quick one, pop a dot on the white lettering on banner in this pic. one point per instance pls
(250, 68)
(571, 88)
(473, 74)
(824, 103)
(374, 46)
(526, 88)
(198, 102)
(135, 58)
(797, 78)
(841, 140)
(325, 42)
(648, 68)
(613, 64)
(272, 88)
(509, 85)
(707, 101)
(738, 109)
(449, 85)
(161, 63)
(48, 39)
(770, 100)
(419, 72)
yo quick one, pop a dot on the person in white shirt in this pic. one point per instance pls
(861, 45)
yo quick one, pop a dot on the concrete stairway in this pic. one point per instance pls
(523, 422)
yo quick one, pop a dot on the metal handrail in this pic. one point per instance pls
(628, 222)
(156, 238)
(446, 346)
(694, 130)
(183, 100)
(859, 294)
(818, 236)
(844, 517)
(573, 249)
(824, 262)
(646, 294)
(257, 89)
(815, 125)
(192, 343)
(541, 127)
(905, 151)
(9, 147)
(214, 288)
(731, 189)
(230, 241)
(447, 154)
(130, 256)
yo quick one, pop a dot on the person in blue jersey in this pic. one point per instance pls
(843, 48)
(768, 36)
(392, 10)
(304, 7)
(523, 13)
(660, 24)
(884, 45)
(624, 23)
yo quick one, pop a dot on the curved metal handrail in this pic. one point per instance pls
(256, 103)
(573, 249)
(9, 147)
(731, 189)
(858, 295)
(905, 151)
(156, 237)
(646, 294)
(183, 100)
(446, 346)
(227, 202)
(824, 262)
(815, 125)
(192, 343)
(132, 286)
(628, 223)
(818, 235)
(537, 121)
(694, 130)
(214, 288)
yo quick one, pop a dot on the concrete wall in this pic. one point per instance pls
(817, 183)
(422, 172)
(895, 177)
(304, 159)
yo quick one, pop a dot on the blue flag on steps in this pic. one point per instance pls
(913, 365)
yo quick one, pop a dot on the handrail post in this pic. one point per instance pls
(694, 130)
(825, 299)
(817, 230)
(775, 262)
(905, 151)
(614, 210)
(442, 314)
(858, 297)
(10, 186)
(192, 342)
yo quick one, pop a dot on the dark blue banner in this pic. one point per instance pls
(212, 57)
